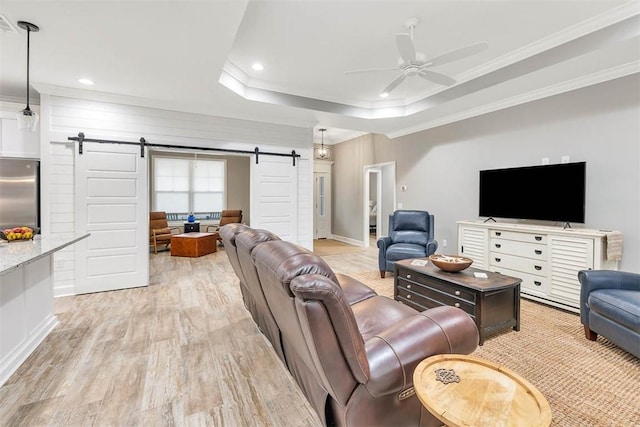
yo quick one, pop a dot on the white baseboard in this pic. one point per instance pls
(13, 360)
(347, 240)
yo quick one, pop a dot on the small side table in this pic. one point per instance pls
(192, 227)
(464, 390)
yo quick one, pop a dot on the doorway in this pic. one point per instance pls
(379, 199)
(322, 200)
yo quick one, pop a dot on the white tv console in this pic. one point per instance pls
(546, 258)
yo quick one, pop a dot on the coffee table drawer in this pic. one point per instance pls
(443, 288)
(429, 298)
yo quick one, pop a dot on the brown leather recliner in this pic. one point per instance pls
(159, 231)
(228, 235)
(354, 362)
(228, 216)
(243, 241)
(260, 311)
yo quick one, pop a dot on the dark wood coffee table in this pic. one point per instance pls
(193, 244)
(493, 303)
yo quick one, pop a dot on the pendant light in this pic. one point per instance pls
(322, 153)
(27, 119)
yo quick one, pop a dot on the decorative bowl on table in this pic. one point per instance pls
(450, 263)
(17, 234)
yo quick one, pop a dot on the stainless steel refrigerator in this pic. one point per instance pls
(19, 193)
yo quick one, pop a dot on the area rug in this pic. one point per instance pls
(324, 247)
(586, 383)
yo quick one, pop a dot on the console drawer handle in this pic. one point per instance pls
(457, 305)
(538, 238)
(408, 276)
(408, 296)
(498, 233)
(538, 252)
(498, 259)
(457, 292)
(498, 245)
(537, 267)
(408, 286)
(535, 282)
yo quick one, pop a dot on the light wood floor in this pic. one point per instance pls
(182, 351)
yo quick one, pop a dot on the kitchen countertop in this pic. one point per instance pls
(17, 254)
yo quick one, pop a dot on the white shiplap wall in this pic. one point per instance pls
(64, 117)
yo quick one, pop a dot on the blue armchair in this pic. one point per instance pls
(410, 236)
(610, 306)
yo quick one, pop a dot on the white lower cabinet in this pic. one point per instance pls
(547, 259)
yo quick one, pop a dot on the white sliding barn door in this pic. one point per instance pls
(274, 196)
(111, 203)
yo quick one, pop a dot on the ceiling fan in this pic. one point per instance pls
(413, 63)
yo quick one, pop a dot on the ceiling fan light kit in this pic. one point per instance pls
(412, 63)
(27, 119)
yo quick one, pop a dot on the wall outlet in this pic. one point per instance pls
(565, 159)
(444, 243)
(545, 160)
(400, 205)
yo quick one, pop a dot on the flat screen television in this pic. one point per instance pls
(548, 192)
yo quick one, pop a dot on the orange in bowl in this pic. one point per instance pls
(451, 263)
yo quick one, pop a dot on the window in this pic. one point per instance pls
(184, 185)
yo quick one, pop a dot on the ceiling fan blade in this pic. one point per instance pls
(454, 55)
(394, 83)
(406, 48)
(439, 78)
(369, 70)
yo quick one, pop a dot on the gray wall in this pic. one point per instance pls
(347, 185)
(599, 124)
(238, 177)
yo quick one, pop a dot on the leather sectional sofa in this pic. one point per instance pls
(351, 350)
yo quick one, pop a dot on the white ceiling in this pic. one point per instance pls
(196, 56)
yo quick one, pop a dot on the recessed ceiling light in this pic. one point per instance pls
(384, 94)
(257, 66)
(86, 81)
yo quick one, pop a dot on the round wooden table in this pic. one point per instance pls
(465, 391)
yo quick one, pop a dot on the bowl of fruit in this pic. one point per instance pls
(17, 234)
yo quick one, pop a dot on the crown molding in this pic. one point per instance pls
(534, 95)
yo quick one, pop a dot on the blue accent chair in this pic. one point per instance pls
(410, 236)
(610, 306)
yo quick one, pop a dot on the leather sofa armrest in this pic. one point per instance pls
(432, 246)
(174, 228)
(591, 280)
(354, 290)
(384, 242)
(394, 353)
(383, 245)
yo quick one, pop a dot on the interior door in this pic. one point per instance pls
(274, 189)
(111, 203)
(322, 205)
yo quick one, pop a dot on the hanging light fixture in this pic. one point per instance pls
(27, 119)
(322, 152)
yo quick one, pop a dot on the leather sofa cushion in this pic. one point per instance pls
(410, 236)
(400, 251)
(354, 290)
(620, 305)
(411, 220)
(377, 314)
